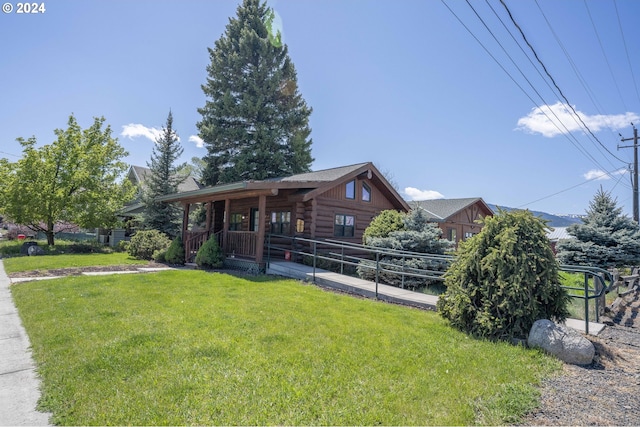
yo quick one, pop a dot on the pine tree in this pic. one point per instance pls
(607, 238)
(164, 179)
(255, 123)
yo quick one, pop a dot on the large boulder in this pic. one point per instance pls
(565, 343)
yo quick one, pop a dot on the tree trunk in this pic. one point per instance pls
(50, 234)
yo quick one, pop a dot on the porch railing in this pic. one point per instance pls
(240, 243)
(236, 243)
(192, 242)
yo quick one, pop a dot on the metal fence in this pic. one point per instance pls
(346, 257)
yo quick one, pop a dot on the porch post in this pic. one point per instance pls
(225, 224)
(185, 228)
(262, 206)
(209, 216)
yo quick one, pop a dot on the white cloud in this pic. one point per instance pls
(136, 130)
(598, 175)
(556, 119)
(196, 140)
(416, 194)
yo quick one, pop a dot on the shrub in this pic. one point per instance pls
(160, 256)
(175, 252)
(144, 243)
(383, 224)
(123, 246)
(418, 235)
(210, 255)
(504, 279)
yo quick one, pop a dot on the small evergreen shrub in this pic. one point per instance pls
(160, 256)
(210, 254)
(504, 279)
(175, 252)
(383, 224)
(145, 243)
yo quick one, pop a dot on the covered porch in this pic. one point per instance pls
(236, 218)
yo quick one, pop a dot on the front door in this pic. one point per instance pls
(254, 219)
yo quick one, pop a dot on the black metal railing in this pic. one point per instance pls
(596, 282)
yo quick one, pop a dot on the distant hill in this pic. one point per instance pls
(554, 220)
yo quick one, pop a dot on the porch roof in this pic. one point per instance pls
(309, 185)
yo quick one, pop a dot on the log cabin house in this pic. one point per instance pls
(337, 203)
(457, 218)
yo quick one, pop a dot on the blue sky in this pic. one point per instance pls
(443, 104)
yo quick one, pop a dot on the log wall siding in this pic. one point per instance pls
(329, 208)
(318, 213)
(378, 200)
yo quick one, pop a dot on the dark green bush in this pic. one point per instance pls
(175, 252)
(210, 255)
(160, 256)
(145, 243)
(504, 279)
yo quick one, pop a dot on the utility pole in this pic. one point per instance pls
(636, 214)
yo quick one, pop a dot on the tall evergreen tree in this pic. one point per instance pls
(255, 123)
(607, 238)
(164, 179)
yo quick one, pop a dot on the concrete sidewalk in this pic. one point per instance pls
(19, 382)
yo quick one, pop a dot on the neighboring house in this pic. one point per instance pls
(556, 234)
(138, 175)
(457, 218)
(336, 203)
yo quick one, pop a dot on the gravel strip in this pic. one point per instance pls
(605, 393)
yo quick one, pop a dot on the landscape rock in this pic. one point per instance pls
(566, 344)
(35, 250)
(24, 249)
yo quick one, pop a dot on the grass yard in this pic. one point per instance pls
(197, 348)
(50, 262)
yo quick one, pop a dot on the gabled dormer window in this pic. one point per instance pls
(366, 192)
(350, 190)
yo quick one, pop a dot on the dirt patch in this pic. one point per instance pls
(76, 271)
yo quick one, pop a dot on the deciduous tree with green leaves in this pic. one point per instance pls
(255, 123)
(76, 179)
(606, 238)
(164, 179)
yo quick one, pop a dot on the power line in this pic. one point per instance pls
(542, 77)
(571, 188)
(581, 149)
(604, 53)
(553, 80)
(9, 154)
(615, 4)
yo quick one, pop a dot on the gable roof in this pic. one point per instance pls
(310, 185)
(558, 233)
(441, 209)
(139, 174)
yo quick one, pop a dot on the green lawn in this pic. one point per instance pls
(190, 347)
(49, 262)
